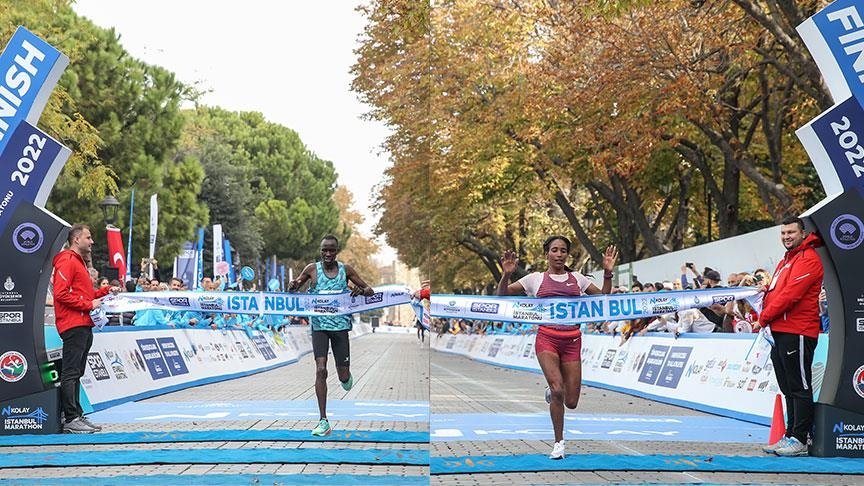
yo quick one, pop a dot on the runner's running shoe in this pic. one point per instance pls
(346, 385)
(557, 451)
(322, 429)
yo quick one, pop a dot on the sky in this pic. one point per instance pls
(289, 60)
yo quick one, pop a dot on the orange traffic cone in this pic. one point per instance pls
(778, 422)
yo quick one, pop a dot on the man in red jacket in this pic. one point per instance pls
(791, 309)
(74, 298)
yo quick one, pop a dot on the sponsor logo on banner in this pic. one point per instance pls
(451, 307)
(858, 381)
(211, 303)
(659, 305)
(848, 437)
(97, 366)
(375, 298)
(484, 307)
(12, 317)
(9, 285)
(13, 366)
(527, 315)
(179, 301)
(23, 418)
(28, 237)
(722, 299)
(323, 301)
(859, 324)
(847, 232)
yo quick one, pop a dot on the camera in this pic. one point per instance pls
(758, 278)
(690, 264)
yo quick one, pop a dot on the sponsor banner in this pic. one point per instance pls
(29, 165)
(30, 69)
(259, 303)
(579, 310)
(127, 363)
(835, 38)
(37, 413)
(707, 372)
(154, 229)
(834, 141)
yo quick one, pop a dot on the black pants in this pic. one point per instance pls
(76, 345)
(792, 357)
(338, 341)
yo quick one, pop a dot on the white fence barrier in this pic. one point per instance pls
(708, 372)
(131, 363)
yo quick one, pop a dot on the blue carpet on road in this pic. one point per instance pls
(374, 410)
(387, 436)
(537, 426)
(603, 462)
(228, 479)
(399, 457)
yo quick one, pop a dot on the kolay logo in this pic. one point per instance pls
(28, 238)
(21, 418)
(13, 366)
(847, 231)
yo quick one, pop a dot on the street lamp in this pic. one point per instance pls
(109, 207)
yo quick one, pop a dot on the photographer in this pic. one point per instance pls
(147, 264)
(697, 277)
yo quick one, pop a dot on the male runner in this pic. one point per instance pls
(330, 276)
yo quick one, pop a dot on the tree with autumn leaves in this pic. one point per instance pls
(671, 122)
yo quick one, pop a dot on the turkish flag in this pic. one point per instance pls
(116, 257)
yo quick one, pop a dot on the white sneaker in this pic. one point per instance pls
(793, 447)
(77, 426)
(557, 451)
(771, 449)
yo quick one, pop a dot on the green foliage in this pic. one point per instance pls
(270, 193)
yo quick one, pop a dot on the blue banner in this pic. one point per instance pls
(184, 268)
(173, 358)
(153, 358)
(838, 47)
(653, 364)
(589, 308)
(29, 70)
(231, 276)
(674, 367)
(29, 166)
(200, 255)
(129, 275)
(835, 143)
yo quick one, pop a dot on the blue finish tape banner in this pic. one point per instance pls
(275, 303)
(579, 310)
(29, 70)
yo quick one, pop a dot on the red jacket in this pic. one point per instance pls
(791, 303)
(73, 291)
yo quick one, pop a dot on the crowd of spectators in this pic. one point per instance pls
(184, 318)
